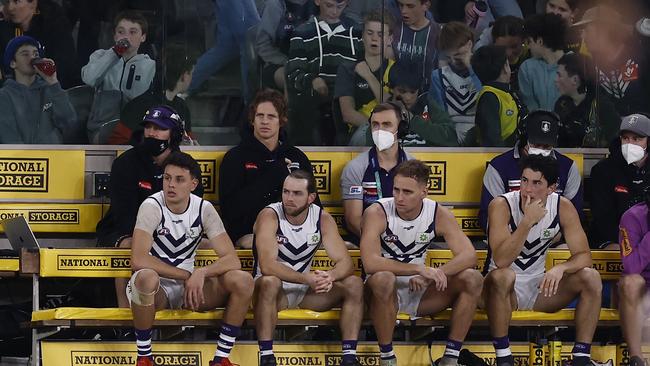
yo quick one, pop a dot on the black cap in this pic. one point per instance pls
(542, 128)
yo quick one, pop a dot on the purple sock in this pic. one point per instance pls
(143, 342)
(349, 350)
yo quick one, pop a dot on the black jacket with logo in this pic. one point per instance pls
(134, 177)
(251, 177)
(615, 187)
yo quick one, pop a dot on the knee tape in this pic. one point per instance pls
(141, 298)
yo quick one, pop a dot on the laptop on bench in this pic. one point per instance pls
(19, 233)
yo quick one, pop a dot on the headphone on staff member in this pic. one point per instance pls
(400, 112)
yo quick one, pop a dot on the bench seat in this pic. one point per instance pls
(72, 316)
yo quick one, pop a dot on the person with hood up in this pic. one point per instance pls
(618, 181)
(252, 173)
(35, 110)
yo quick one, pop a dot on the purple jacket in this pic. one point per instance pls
(634, 237)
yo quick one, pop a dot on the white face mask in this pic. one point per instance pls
(383, 139)
(632, 153)
(537, 151)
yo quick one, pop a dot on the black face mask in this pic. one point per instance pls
(153, 146)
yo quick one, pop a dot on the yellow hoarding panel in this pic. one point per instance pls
(56, 217)
(327, 169)
(9, 265)
(110, 262)
(42, 174)
(247, 353)
(607, 263)
(209, 162)
(338, 216)
(467, 219)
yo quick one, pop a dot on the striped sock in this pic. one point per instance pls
(581, 353)
(386, 351)
(266, 349)
(226, 341)
(502, 349)
(143, 342)
(453, 348)
(349, 350)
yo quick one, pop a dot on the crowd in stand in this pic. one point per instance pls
(531, 75)
(334, 60)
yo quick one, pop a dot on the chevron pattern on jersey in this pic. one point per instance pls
(172, 241)
(297, 244)
(460, 93)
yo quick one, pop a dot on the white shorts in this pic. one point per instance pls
(174, 290)
(527, 289)
(407, 301)
(295, 292)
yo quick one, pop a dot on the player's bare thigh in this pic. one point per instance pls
(282, 300)
(215, 290)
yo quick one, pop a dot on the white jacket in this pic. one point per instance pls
(108, 70)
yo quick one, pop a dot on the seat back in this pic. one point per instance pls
(81, 98)
(104, 132)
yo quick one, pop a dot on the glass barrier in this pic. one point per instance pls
(462, 73)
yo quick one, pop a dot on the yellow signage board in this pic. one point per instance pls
(327, 168)
(55, 174)
(110, 262)
(209, 162)
(55, 217)
(9, 265)
(607, 263)
(247, 353)
(467, 219)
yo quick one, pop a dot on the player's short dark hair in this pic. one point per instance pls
(274, 97)
(547, 165)
(580, 66)
(414, 169)
(551, 28)
(488, 61)
(178, 61)
(185, 161)
(508, 26)
(132, 16)
(375, 16)
(388, 106)
(405, 74)
(454, 35)
(309, 177)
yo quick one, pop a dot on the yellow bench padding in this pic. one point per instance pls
(69, 313)
(9, 264)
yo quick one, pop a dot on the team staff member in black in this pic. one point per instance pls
(135, 175)
(618, 181)
(251, 174)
